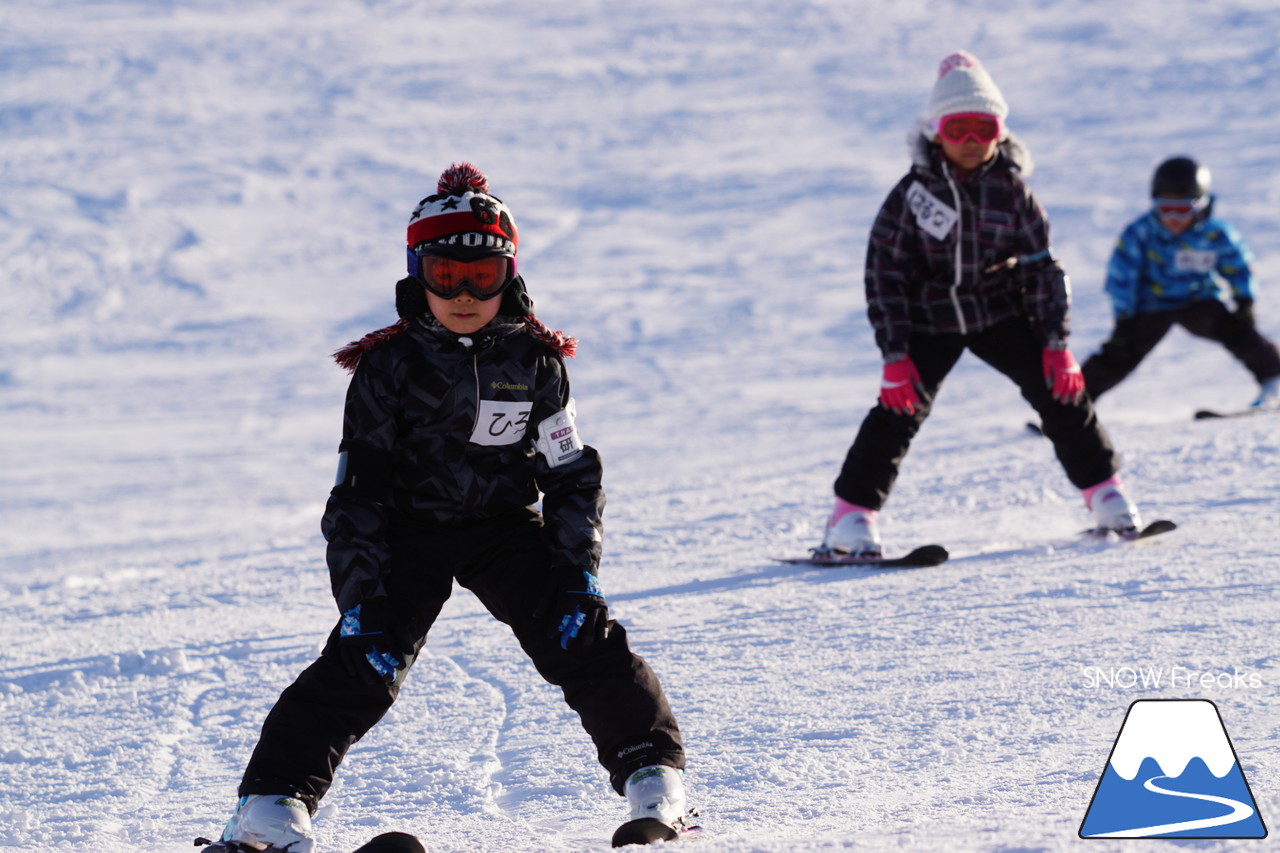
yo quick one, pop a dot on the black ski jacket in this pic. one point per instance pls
(952, 256)
(439, 429)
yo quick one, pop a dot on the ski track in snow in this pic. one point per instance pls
(201, 202)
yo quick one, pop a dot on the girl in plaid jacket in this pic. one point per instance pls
(959, 259)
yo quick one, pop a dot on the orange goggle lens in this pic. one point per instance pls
(483, 278)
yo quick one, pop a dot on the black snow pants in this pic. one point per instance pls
(504, 562)
(1132, 342)
(1081, 444)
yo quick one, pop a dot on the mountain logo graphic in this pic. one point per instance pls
(1173, 773)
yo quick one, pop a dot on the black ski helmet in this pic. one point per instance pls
(1180, 177)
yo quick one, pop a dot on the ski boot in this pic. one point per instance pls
(658, 810)
(266, 824)
(853, 531)
(1112, 510)
(1268, 395)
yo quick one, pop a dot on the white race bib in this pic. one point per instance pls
(501, 422)
(1195, 260)
(934, 217)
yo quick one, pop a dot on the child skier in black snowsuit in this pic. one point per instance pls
(457, 417)
(959, 259)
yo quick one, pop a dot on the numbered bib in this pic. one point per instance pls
(933, 216)
(501, 422)
(1195, 260)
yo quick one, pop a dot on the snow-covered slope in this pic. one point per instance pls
(199, 201)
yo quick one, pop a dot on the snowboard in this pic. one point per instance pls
(921, 558)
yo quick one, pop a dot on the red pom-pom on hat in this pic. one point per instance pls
(460, 178)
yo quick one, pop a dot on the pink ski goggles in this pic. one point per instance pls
(958, 127)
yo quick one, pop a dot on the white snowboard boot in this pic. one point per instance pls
(1111, 507)
(856, 531)
(1268, 394)
(270, 822)
(658, 807)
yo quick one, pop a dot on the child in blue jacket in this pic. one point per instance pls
(1178, 264)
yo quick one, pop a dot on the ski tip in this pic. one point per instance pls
(1204, 414)
(929, 555)
(645, 830)
(393, 842)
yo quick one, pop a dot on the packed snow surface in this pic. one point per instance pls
(200, 201)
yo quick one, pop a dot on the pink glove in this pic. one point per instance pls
(1062, 374)
(898, 386)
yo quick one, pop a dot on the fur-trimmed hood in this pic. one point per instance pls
(348, 357)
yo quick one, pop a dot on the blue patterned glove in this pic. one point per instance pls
(576, 608)
(366, 646)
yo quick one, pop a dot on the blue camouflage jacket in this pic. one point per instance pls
(1152, 269)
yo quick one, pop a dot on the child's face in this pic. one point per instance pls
(968, 154)
(1176, 225)
(463, 314)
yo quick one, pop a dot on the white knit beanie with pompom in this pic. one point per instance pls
(964, 86)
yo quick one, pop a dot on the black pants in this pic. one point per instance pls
(1121, 355)
(504, 562)
(1080, 442)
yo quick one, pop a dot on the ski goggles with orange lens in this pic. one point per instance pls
(958, 127)
(1179, 208)
(484, 278)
